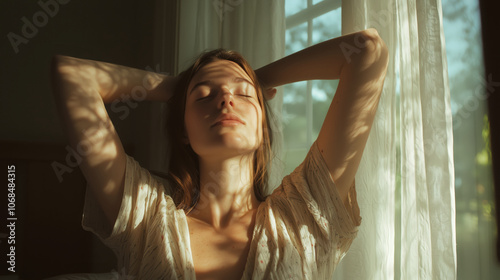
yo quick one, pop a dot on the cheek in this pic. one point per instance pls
(191, 122)
(196, 120)
(259, 122)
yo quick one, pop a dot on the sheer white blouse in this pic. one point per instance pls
(302, 230)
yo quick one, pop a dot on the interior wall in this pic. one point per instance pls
(116, 31)
(134, 33)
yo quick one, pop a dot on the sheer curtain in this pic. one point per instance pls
(256, 29)
(420, 242)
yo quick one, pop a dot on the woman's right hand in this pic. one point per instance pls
(166, 89)
(160, 87)
(269, 93)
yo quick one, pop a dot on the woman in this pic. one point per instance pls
(210, 219)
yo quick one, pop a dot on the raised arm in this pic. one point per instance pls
(81, 87)
(360, 61)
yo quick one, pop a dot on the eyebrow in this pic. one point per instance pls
(208, 82)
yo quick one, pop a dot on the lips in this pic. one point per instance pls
(227, 117)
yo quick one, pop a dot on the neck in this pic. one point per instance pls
(227, 192)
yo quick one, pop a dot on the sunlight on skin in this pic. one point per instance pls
(93, 117)
(225, 152)
(226, 211)
(361, 71)
(232, 247)
(81, 88)
(363, 79)
(214, 72)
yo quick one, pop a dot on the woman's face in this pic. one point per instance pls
(223, 117)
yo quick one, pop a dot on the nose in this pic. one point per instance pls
(226, 99)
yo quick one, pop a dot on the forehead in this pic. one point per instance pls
(219, 69)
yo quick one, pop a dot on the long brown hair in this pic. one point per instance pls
(184, 173)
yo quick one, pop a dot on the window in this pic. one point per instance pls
(305, 104)
(469, 86)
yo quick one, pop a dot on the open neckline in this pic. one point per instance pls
(190, 252)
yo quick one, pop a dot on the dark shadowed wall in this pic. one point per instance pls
(48, 203)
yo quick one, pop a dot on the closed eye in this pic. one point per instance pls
(211, 95)
(204, 92)
(204, 97)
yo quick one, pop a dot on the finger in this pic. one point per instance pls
(271, 93)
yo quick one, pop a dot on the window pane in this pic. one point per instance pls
(326, 26)
(462, 33)
(294, 105)
(305, 106)
(296, 38)
(322, 95)
(475, 223)
(294, 119)
(294, 6)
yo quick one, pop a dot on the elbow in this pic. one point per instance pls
(371, 54)
(375, 49)
(54, 63)
(63, 68)
(55, 73)
(57, 62)
(61, 71)
(55, 67)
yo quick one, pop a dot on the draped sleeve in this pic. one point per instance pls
(149, 234)
(304, 226)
